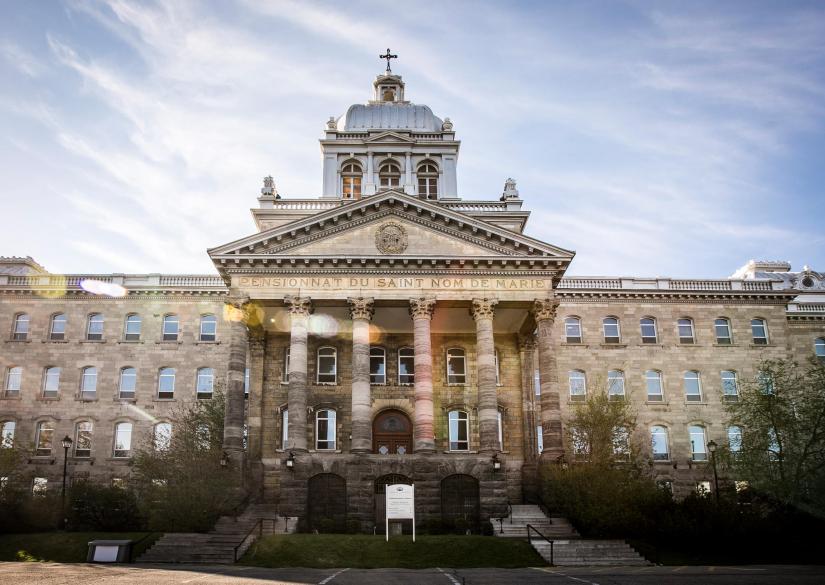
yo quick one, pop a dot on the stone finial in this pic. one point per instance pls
(422, 308)
(510, 191)
(527, 342)
(361, 308)
(545, 309)
(447, 126)
(269, 189)
(298, 305)
(331, 125)
(483, 308)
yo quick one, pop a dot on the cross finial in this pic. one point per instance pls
(388, 56)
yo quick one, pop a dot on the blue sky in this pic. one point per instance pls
(654, 138)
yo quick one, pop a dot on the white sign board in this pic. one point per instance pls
(400, 505)
(106, 554)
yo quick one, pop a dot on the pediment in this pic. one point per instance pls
(389, 137)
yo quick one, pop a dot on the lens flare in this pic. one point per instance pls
(323, 325)
(98, 287)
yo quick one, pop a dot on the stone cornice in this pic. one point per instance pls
(777, 298)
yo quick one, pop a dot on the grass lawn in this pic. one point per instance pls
(366, 552)
(63, 547)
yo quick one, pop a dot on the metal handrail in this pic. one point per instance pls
(259, 525)
(546, 511)
(510, 511)
(530, 540)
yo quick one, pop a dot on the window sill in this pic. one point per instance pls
(456, 383)
(130, 400)
(79, 399)
(725, 345)
(758, 345)
(55, 340)
(662, 462)
(92, 341)
(13, 397)
(169, 342)
(657, 402)
(612, 345)
(324, 451)
(18, 341)
(461, 452)
(164, 399)
(326, 383)
(696, 403)
(126, 460)
(82, 459)
(138, 341)
(48, 398)
(574, 343)
(284, 382)
(651, 344)
(199, 342)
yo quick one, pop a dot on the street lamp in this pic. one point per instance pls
(496, 462)
(67, 444)
(712, 448)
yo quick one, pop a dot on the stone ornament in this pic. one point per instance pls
(483, 308)
(361, 308)
(298, 305)
(545, 309)
(527, 342)
(422, 308)
(391, 238)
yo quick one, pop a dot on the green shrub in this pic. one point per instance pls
(99, 507)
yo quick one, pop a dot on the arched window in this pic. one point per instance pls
(83, 439)
(131, 328)
(759, 328)
(648, 329)
(578, 385)
(735, 439)
(171, 328)
(615, 384)
(819, 348)
(88, 383)
(325, 430)
(378, 365)
(406, 366)
(204, 383)
(208, 328)
(698, 443)
(123, 440)
(427, 174)
(166, 383)
(51, 382)
(612, 330)
(573, 330)
(459, 430)
(43, 438)
(14, 379)
(693, 386)
(57, 327)
(685, 327)
(327, 365)
(721, 327)
(94, 327)
(389, 175)
(456, 366)
(7, 428)
(284, 428)
(730, 387)
(653, 382)
(20, 332)
(127, 383)
(659, 442)
(162, 436)
(351, 175)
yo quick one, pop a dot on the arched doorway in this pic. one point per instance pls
(381, 484)
(392, 433)
(460, 503)
(327, 503)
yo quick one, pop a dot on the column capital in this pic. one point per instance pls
(526, 342)
(298, 305)
(545, 309)
(238, 301)
(483, 308)
(257, 338)
(422, 308)
(361, 308)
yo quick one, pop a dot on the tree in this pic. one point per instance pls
(782, 416)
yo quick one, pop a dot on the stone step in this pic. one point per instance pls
(590, 553)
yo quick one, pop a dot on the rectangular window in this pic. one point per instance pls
(730, 389)
(171, 328)
(578, 387)
(88, 384)
(615, 385)
(648, 327)
(539, 439)
(128, 383)
(537, 382)
(21, 327)
(456, 373)
(325, 430)
(703, 488)
(57, 331)
(459, 431)
(686, 331)
(51, 382)
(406, 366)
(94, 329)
(378, 366)
(697, 443)
(166, 383)
(246, 383)
(40, 486)
(722, 329)
(123, 440)
(760, 332)
(693, 387)
(284, 428)
(285, 376)
(209, 328)
(612, 333)
(14, 378)
(659, 443)
(131, 331)
(83, 440)
(44, 438)
(653, 381)
(327, 366)
(572, 330)
(205, 382)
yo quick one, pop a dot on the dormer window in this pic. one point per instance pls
(389, 175)
(427, 181)
(351, 181)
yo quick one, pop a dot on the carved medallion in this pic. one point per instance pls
(391, 238)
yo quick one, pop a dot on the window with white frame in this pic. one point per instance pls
(51, 382)
(171, 328)
(285, 374)
(57, 327)
(653, 383)
(537, 382)
(456, 366)
(14, 379)
(721, 328)
(703, 488)
(166, 383)
(88, 383)
(573, 330)
(500, 429)
(497, 366)
(378, 365)
(819, 348)
(284, 428)
(686, 334)
(127, 383)
(427, 174)
(406, 366)
(20, 331)
(612, 330)
(621, 443)
(327, 365)
(162, 436)
(459, 430)
(730, 386)
(389, 175)
(698, 443)
(246, 374)
(765, 382)
(660, 444)
(94, 327)
(44, 438)
(203, 436)
(647, 325)
(759, 328)
(539, 439)
(40, 486)
(7, 428)
(208, 328)
(325, 430)
(205, 383)
(351, 175)
(123, 440)
(131, 328)
(83, 439)
(735, 439)
(693, 386)
(615, 384)
(578, 385)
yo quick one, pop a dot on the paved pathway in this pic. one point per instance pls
(60, 574)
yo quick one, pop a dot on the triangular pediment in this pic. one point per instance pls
(389, 137)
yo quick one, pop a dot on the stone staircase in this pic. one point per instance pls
(515, 525)
(228, 540)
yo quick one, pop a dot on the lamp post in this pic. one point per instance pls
(67, 444)
(712, 448)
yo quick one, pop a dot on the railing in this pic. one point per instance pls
(191, 280)
(475, 205)
(530, 540)
(700, 284)
(806, 307)
(259, 526)
(546, 511)
(590, 283)
(309, 204)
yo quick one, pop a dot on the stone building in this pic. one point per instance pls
(388, 331)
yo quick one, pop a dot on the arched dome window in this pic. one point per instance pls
(351, 175)
(427, 180)
(389, 175)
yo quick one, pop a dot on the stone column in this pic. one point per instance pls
(257, 347)
(527, 346)
(544, 311)
(369, 177)
(236, 310)
(409, 185)
(422, 310)
(482, 311)
(361, 310)
(299, 310)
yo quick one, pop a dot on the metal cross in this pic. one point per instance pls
(388, 56)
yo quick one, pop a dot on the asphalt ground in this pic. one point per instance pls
(59, 574)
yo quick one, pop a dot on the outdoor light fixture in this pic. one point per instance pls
(712, 448)
(224, 459)
(67, 444)
(290, 461)
(496, 462)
